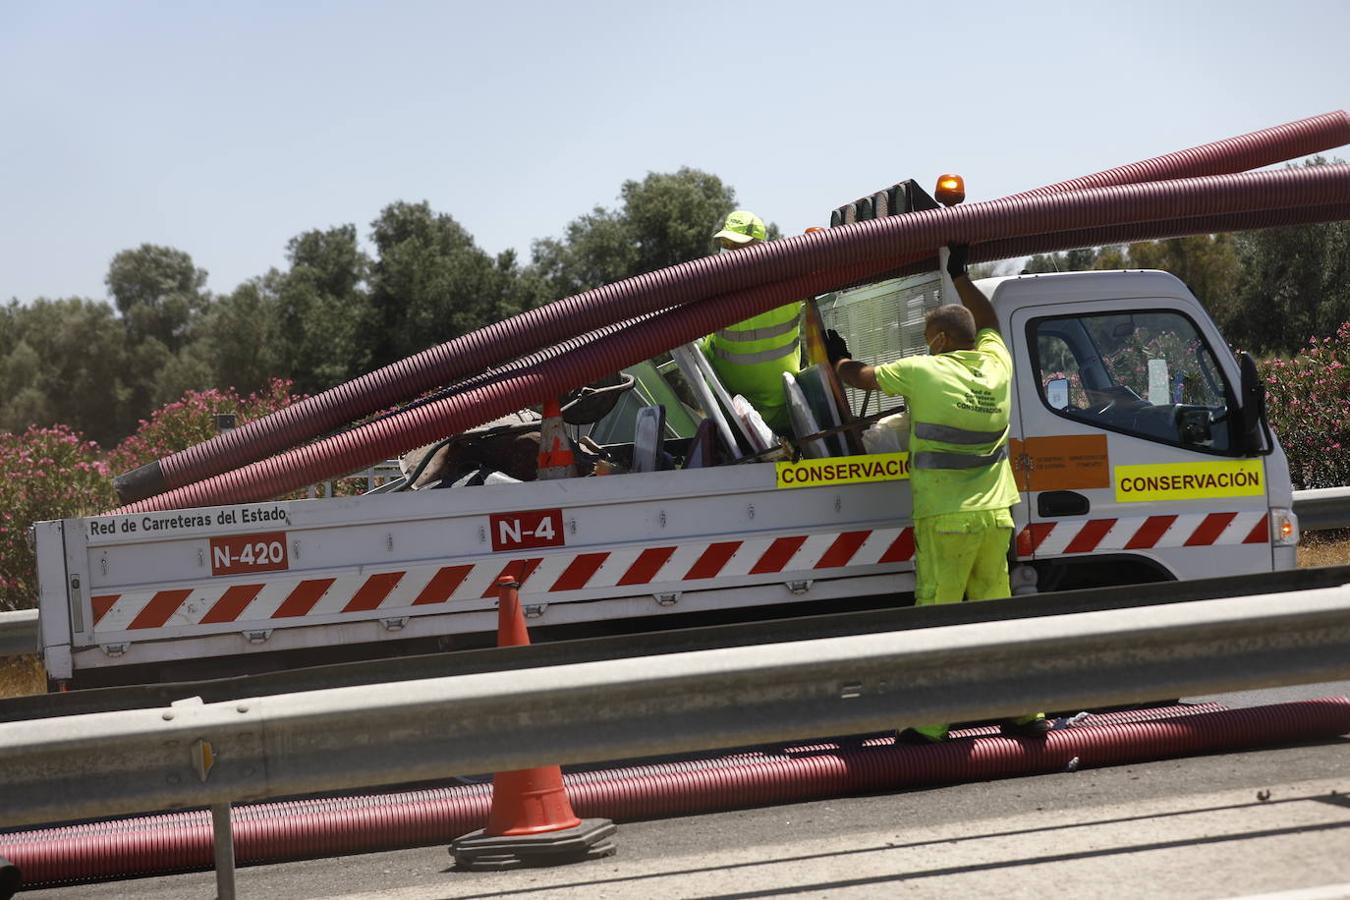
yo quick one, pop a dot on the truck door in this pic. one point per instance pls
(1131, 460)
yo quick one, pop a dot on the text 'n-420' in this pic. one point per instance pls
(240, 553)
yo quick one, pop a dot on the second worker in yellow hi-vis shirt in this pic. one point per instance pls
(750, 357)
(959, 400)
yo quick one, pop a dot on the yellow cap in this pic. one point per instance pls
(742, 227)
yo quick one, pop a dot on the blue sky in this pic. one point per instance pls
(226, 129)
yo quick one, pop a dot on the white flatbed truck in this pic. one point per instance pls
(1138, 439)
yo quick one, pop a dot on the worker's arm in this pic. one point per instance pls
(971, 297)
(857, 374)
(850, 371)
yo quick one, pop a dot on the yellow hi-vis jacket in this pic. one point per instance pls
(959, 406)
(750, 358)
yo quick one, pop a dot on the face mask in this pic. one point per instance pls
(933, 350)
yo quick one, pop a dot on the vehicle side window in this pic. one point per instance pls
(1148, 374)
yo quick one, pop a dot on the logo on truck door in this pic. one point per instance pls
(524, 530)
(240, 553)
(1060, 462)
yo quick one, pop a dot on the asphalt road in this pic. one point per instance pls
(1239, 825)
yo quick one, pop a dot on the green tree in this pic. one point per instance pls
(1112, 257)
(238, 337)
(1207, 263)
(306, 323)
(321, 307)
(64, 361)
(596, 249)
(430, 283)
(1294, 284)
(664, 219)
(158, 291)
(672, 217)
(189, 369)
(162, 296)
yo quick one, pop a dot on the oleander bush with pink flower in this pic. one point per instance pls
(53, 473)
(192, 419)
(45, 473)
(1309, 403)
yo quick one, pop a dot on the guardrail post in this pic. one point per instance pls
(223, 834)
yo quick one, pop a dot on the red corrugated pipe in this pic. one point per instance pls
(1235, 154)
(515, 337)
(978, 253)
(270, 810)
(1145, 231)
(858, 251)
(307, 829)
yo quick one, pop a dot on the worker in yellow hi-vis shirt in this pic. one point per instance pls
(750, 357)
(959, 402)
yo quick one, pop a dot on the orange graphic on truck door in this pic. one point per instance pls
(1065, 462)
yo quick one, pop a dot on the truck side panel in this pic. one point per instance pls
(260, 577)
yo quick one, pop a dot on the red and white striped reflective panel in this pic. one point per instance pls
(1144, 533)
(289, 598)
(278, 601)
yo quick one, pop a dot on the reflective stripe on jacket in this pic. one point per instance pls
(978, 449)
(750, 358)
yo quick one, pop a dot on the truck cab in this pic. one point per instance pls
(1131, 446)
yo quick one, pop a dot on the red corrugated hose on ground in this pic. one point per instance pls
(306, 829)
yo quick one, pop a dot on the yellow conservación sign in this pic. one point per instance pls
(1190, 481)
(843, 470)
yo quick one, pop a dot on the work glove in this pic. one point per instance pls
(835, 347)
(956, 260)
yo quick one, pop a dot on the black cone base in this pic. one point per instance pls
(9, 879)
(477, 852)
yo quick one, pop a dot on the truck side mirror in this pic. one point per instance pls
(1252, 396)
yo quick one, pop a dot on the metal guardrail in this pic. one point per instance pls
(194, 754)
(375, 476)
(19, 633)
(1322, 509)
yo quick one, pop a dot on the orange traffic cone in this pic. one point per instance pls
(531, 822)
(555, 449)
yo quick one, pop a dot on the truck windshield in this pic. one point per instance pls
(1148, 374)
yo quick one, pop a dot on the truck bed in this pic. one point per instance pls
(263, 578)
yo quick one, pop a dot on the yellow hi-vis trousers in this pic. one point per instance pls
(962, 556)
